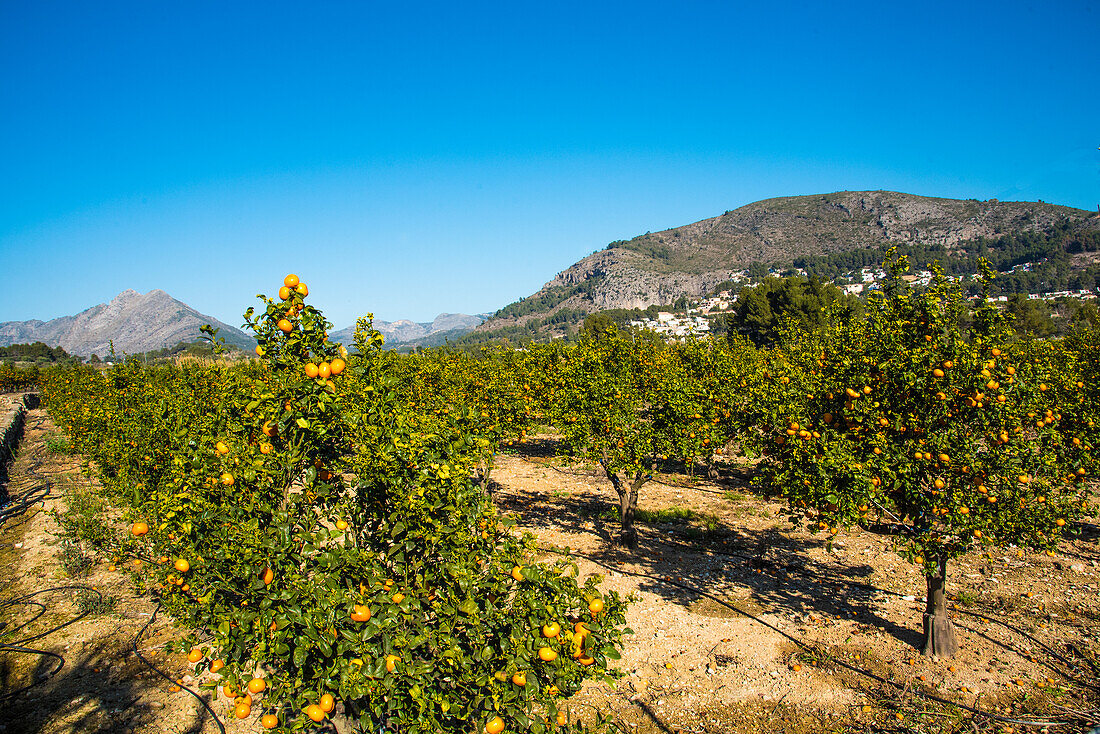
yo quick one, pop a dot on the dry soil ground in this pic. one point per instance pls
(740, 624)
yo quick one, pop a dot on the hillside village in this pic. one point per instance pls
(697, 318)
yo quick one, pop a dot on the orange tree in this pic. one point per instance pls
(1071, 365)
(703, 400)
(916, 423)
(13, 378)
(679, 383)
(603, 410)
(341, 561)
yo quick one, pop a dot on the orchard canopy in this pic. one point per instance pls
(319, 516)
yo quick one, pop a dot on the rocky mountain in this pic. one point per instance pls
(427, 333)
(135, 322)
(659, 267)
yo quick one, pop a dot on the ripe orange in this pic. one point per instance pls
(315, 712)
(517, 573)
(285, 326)
(1059, 522)
(398, 598)
(259, 351)
(937, 373)
(551, 630)
(360, 613)
(229, 692)
(216, 666)
(303, 291)
(494, 726)
(268, 576)
(291, 281)
(519, 678)
(391, 662)
(227, 479)
(547, 655)
(221, 448)
(242, 710)
(586, 660)
(337, 366)
(284, 293)
(561, 718)
(328, 703)
(311, 370)
(269, 721)
(324, 370)
(341, 525)
(195, 655)
(257, 685)
(595, 606)
(182, 565)
(270, 430)
(139, 528)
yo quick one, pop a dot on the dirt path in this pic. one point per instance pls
(90, 617)
(726, 659)
(720, 641)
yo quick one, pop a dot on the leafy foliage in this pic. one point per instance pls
(331, 540)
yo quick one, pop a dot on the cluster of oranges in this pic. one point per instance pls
(242, 700)
(291, 285)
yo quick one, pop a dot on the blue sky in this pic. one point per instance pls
(412, 158)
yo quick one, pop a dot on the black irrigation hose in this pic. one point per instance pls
(869, 587)
(36, 494)
(805, 646)
(162, 674)
(19, 647)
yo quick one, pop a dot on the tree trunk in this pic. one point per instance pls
(484, 468)
(628, 505)
(939, 632)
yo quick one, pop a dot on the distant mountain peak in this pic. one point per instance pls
(132, 321)
(405, 331)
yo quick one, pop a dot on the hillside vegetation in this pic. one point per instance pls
(823, 233)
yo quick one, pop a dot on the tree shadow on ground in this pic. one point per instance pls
(781, 573)
(571, 513)
(98, 691)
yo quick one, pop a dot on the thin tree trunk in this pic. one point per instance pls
(628, 505)
(939, 632)
(484, 468)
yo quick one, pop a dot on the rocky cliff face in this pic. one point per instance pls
(135, 322)
(657, 268)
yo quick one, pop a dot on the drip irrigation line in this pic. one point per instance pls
(803, 645)
(37, 493)
(34, 495)
(20, 646)
(162, 674)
